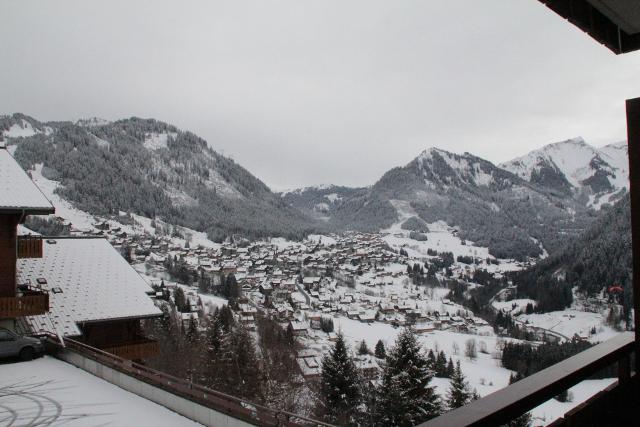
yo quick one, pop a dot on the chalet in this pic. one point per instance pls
(186, 318)
(367, 317)
(424, 327)
(284, 311)
(229, 268)
(19, 197)
(72, 287)
(247, 309)
(367, 364)
(298, 328)
(310, 366)
(265, 289)
(94, 294)
(353, 314)
(315, 320)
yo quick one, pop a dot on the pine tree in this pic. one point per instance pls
(405, 397)
(340, 392)
(192, 333)
(431, 358)
(458, 394)
(231, 289)
(226, 319)
(363, 348)
(441, 365)
(450, 368)
(239, 364)
(180, 299)
(380, 351)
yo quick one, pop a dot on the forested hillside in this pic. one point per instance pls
(153, 169)
(595, 261)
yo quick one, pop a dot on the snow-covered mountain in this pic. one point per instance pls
(153, 169)
(575, 167)
(320, 201)
(443, 170)
(21, 126)
(491, 206)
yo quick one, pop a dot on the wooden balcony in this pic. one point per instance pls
(134, 350)
(31, 304)
(29, 247)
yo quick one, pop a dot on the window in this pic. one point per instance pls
(6, 336)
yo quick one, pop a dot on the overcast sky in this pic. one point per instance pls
(309, 92)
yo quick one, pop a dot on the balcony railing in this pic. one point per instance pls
(31, 304)
(508, 403)
(134, 350)
(29, 247)
(230, 405)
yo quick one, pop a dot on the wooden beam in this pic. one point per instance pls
(633, 139)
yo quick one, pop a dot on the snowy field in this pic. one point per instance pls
(50, 392)
(484, 374)
(440, 238)
(323, 240)
(553, 409)
(571, 322)
(514, 307)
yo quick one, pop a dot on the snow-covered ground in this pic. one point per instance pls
(440, 238)
(321, 239)
(155, 141)
(50, 392)
(554, 409)
(571, 322)
(514, 307)
(484, 374)
(281, 243)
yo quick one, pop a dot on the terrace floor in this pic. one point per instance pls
(49, 392)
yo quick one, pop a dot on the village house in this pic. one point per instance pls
(73, 287)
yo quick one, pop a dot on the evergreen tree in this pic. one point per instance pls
(450, 368)
(180, 299)
(326, 324)
(192, 333)
(226, 319)
(340, 393)
(441, 365)
(405, 397)
(431, 358)
(214, 334)
(231, 289)
(458, 394)
(380, 351)
(363, 349)
(239, 364)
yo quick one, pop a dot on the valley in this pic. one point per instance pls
(418, 248)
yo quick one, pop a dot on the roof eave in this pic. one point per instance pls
(118, 319)
(28, 210)
(597, 24)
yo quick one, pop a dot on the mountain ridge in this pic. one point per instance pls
(492, 205)
(151, 168)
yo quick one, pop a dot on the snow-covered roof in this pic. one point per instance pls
(17, 191)
(95, 281)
